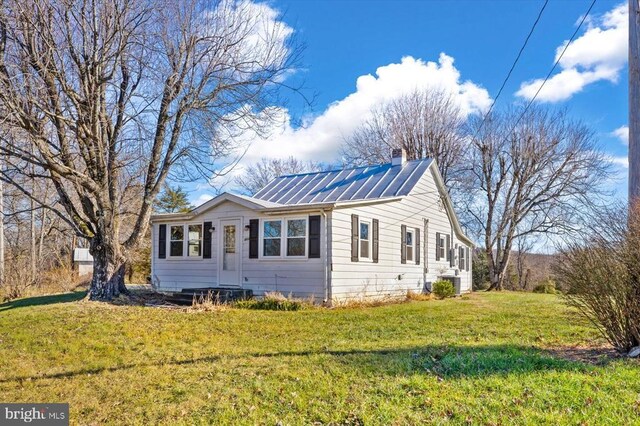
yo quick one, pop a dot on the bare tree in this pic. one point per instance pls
(529, 174)
(106, 99)
(426, 123)
(524, 246)
(259, 174)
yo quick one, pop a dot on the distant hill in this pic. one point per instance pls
(536, 269)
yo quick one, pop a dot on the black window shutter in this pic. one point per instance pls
(403, 244)
(162, 242)
(437, 246)
(448, 247)
(355, 237)
(206, 240)
(376, 240)
(254, 225)
(417, 246)
(468, 259)
(314, 237)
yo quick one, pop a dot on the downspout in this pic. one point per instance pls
(326, 258)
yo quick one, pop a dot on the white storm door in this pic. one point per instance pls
(230, 252)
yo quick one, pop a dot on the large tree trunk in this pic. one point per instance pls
(109, 264)
(497, 267)
(496, 279)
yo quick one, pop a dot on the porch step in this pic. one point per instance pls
(222, 295)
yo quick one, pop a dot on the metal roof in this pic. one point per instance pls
(360, 183)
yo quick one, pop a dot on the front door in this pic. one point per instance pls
(230, 252)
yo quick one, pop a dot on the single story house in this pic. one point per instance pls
(359, 232)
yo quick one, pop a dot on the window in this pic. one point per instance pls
(365, 241)
(271, 238)
(284, 237)
(195, 241)
(410, 246)
(462, 260)
(296, 237)
(442, 247)
(176, 244)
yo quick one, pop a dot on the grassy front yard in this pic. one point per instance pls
(483, 359)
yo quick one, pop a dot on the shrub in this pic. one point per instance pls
(274, 302)
(443, 289)
(547, 287)
(601, 275)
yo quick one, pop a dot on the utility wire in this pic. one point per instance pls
(553, 68)
(515, 62)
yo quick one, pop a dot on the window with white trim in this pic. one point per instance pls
(194, 245)
(365, 239)
(410, 245)
(296, 237)
(176, 243)
(443, 247)
(271, 238)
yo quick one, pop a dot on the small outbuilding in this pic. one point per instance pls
(361, 232)
(82, 261)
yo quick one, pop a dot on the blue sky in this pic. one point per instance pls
(354, 54)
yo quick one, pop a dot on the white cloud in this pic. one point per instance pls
(254, 35)
(599, 54)
(620, 161)
(320, 137)
(622, 133)
(203, 198)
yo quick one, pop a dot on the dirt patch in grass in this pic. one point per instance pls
(140, 297)
(594, 355)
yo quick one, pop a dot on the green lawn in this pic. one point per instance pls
(480, 359)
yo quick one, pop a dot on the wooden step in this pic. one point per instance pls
(221, 295)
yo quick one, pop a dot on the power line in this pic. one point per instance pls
(515, 62)
(573, 36)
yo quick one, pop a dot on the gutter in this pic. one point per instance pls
(293, 208)
(298, 208)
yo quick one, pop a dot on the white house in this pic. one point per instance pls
(352, 233)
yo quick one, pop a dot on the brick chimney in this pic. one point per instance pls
(398, 157)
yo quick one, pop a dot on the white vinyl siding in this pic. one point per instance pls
(389, 276)
(299, 276)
